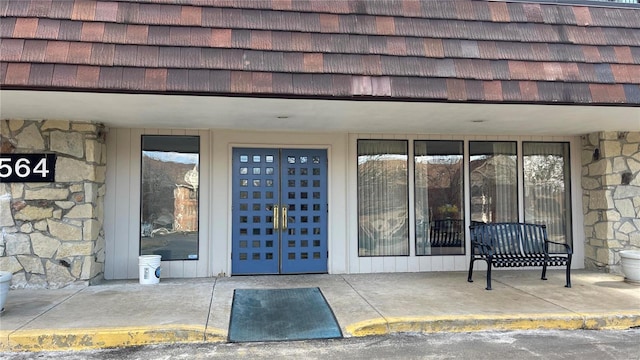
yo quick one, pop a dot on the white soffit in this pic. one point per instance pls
(268, 114)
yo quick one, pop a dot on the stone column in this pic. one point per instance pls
(51, 234)
(611, 197)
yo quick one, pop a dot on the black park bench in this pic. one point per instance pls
(515, 245)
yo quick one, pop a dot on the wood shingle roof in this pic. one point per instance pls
(458, 50)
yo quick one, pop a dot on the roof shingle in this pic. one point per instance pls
(454, 50)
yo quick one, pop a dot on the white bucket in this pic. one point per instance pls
(630, 261)
(149, 269)
(5, 281)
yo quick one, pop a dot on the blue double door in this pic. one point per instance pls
(279, 211)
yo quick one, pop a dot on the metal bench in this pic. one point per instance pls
(515, 245)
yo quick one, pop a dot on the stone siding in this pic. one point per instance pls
(611, 197)
(51, 234)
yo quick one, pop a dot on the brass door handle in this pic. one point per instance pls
(275, 218)
(284, 218)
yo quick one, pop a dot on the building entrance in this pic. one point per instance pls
(279, 211)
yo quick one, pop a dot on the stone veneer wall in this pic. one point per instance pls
(611, 197)
(51, 234)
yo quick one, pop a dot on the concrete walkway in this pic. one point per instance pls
(125, 313)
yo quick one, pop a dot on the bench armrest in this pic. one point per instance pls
(566, 246)
(484, 247)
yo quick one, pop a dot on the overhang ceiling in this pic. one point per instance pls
(303, 115)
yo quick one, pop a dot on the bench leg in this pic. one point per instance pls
(488, 275)
(544, 270)
(568, 285)
(469, 278)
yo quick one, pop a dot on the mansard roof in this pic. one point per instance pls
(423, 50)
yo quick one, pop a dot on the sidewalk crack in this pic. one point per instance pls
(45, 312)
(367, 301)
(206, 325)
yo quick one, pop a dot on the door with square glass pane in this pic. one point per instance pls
(279, 211)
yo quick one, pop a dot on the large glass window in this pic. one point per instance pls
(383, 216)
(493, 181)
(169, 191)
(439, 192)
(547, 195)
(439, 197)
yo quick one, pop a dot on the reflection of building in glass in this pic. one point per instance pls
(185, 209)
(161, 184)
(185, 204)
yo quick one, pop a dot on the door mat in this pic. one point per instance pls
(281, 314)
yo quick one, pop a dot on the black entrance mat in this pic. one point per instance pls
(281, 314)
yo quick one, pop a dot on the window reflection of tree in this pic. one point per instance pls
(494, 188)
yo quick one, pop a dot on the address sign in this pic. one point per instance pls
(27, 167)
